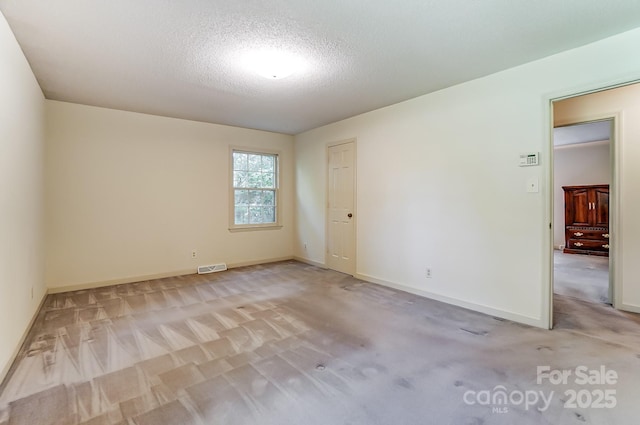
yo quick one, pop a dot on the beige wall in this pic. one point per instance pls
(625, 103)
(21, 196)
(131, 195)
(439, 186)
(584, 163)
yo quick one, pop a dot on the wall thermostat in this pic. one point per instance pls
(530, 158)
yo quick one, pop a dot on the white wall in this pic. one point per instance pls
(625, 102)
(129, 196)
(575, 165)
(21, 196)
(439, 183)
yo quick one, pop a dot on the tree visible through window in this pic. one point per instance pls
(255, 181)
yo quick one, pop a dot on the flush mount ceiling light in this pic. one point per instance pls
(273, 64)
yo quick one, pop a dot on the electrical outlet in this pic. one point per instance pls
(428, 273)
(194, 254)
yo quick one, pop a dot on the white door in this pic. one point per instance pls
(341, 247)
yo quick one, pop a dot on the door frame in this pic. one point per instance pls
(355, 203)
(615, 268)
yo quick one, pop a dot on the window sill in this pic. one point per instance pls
(256, 227)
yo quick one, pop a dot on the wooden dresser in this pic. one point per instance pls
(586, 218)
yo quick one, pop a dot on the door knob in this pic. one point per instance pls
(349, 215)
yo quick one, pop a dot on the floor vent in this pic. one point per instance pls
(212, 268)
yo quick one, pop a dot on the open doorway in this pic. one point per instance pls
(582, 179)
(619, 105)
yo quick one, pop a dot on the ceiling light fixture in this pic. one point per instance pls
(273, 64)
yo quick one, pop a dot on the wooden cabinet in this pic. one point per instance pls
(586, 219)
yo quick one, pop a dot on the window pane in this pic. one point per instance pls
(242, 197)
(254, 182)
(269, 198)
(242, 215)
(255, 197)
(254, 179)
(255, 215)
(255, 162)
(268, 180)
(269, 163)
(240, 179)
(269, 214)
(239, 161)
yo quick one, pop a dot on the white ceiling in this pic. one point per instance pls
(183, 58)
(582, 133)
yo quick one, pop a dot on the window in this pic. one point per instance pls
(255, 189)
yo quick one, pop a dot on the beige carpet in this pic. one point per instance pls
(289, 343)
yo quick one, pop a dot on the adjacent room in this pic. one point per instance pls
(319, 212)
(582, 167)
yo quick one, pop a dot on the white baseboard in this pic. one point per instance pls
(515, 317)
(628, 307)
(6, 368)
(532, 321)
(133, 279)
(257, 262)
(310, 262)
(119, 281)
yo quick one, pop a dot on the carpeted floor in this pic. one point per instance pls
(289, 343)
(581, 276)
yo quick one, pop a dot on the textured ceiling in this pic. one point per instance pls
(184, 58)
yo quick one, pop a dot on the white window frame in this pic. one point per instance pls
(232, 189)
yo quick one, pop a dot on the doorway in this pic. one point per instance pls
(582, 178)
(341, 214)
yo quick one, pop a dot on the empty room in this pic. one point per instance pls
(300, 212)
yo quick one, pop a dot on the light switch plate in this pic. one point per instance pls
(532, 185)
